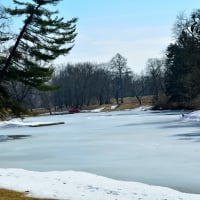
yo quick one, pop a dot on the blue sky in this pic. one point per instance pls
(137, 29)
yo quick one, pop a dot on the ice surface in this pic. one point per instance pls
(159, 148)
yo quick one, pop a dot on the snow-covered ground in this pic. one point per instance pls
(159, 149)
(71, 185)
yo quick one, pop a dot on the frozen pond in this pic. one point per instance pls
(156, 148)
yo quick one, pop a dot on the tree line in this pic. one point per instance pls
(88, 83)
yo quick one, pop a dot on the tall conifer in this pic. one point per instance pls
(43, 37)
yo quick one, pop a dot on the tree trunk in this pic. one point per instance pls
(139, 100)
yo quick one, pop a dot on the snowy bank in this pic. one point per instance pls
(20, 123)
(193, 116)
(80, 185)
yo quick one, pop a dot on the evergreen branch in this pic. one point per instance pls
(3, 71)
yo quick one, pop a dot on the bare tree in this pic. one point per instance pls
(139, 87)
(119, 66)
(155, 72)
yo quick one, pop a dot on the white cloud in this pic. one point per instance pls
(136, 44)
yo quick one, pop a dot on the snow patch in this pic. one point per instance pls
(97, 110)
(145, 108)
(20, 123)
(113, 107)
(193, 116)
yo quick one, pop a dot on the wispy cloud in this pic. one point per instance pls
(136, 44)
(137, 52)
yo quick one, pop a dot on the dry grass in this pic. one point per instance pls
(129, 103)
(13, 195)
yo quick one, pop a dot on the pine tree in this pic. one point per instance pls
(43, 37)
(182, 70)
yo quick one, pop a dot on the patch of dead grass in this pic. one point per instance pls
(13, 195)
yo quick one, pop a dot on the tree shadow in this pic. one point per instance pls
(4, 138)
(143, 123)
(195, 137)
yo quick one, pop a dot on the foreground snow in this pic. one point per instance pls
(79, 185)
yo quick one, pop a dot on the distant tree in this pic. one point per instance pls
(46, 100)
(5, 37)
(127, 83)
(154, 70)
(82, 84)
(194, 26)
(33, 99)
(18, 90)
(183, 69)
(138, 85)
(102, 84)
(119, 67)
(4, 28)
(43, 37)
(190, 25)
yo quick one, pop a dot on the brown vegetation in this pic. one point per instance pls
(129, 103)
(13, 195)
